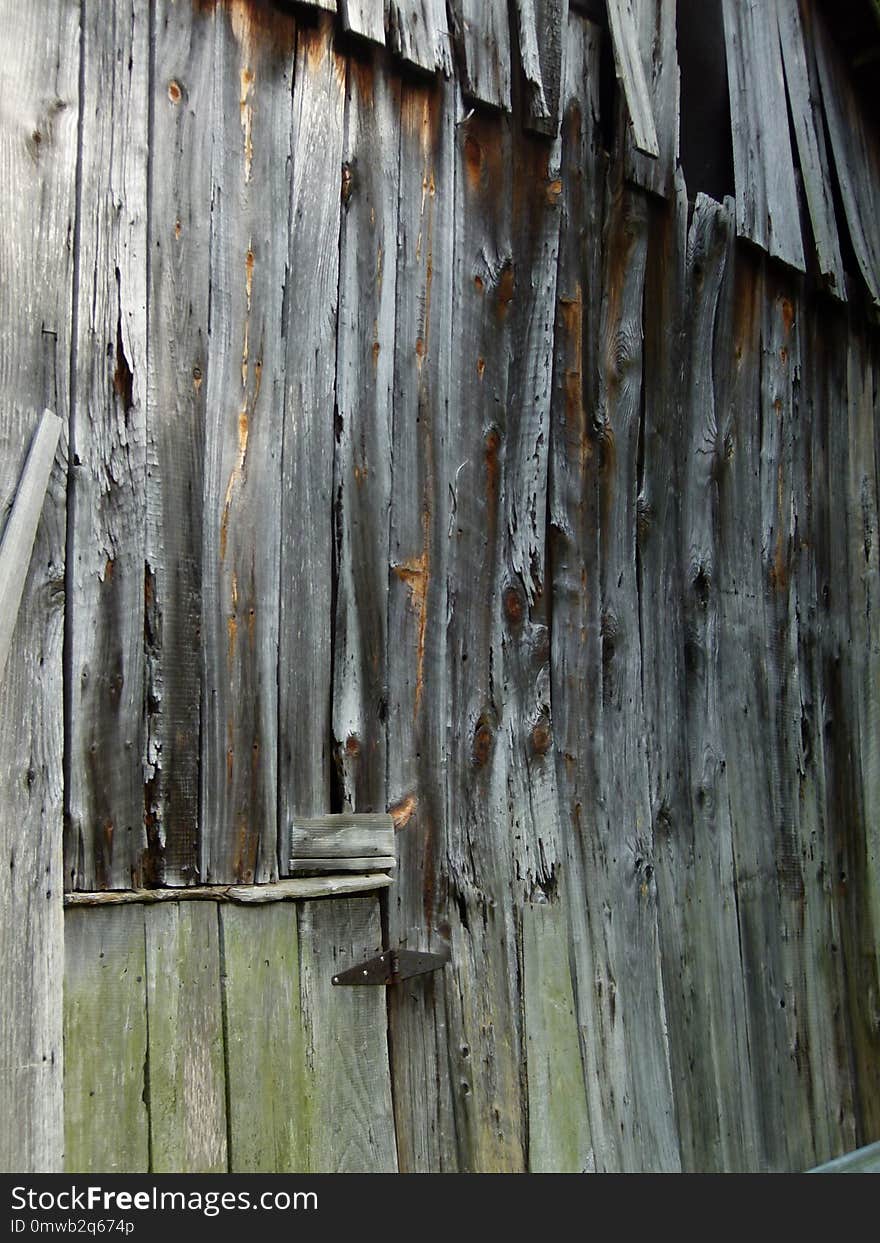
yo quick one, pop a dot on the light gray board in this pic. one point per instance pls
(314, 841)
(856, 157)
(309, 326)
(378, 863)
(39, 106)
(362, 454)
(104, 829)
(766, 195)
(631, 75)
(245, 385)
(542, 28)
(20, 530)
(801, 79)
(417, 32)
(656, 26)
(365, 18)
(179, 237)
(482, 35)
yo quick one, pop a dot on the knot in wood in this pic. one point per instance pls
(514, 604)
(482, 744)
(542, 738)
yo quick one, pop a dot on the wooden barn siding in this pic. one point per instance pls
(437, 469)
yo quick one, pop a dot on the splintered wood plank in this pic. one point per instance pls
(656, 28)
(804, 96)
(365, 18)
(106, 1126)
(766, 195)
(20, 531)
(245, 385)
(482, 34)
(187, 1075)
(105, 841)
(342, 836)
(304, 672)
(38, 142)
(269, 1109)
(417, 32)
(362, 465)
(856, 158)
(559, 1123)
(573, 524)
(542, 27)
(417, 603)
(179, 235)
(347, 1086)
(631, 75)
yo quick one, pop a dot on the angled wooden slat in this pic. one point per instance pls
(656, 28)
(365, 18)
(186, 1057)
(20, 531)
(106, 1127)
(801, 79)
(767, 210)
(631, 75)
(482, 34)
(856, 157)
(542, 28)
(417, 32)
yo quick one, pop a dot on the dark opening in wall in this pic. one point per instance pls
(706, 146)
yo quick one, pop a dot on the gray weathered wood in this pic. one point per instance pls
(559, 1124)
(542, 30)
(187, 1071)
(304, 671)
(362, 461)
(417, 32)
(342, 836)
(39, 96)
(631, 75)
(19, 533)
(252, 895)
(105, 838)
(378, 863)
(347, 1087)
(856, 158)
(798, 58)
(106, 1127)
(863, 1161)
(269, 1119)
(766, 197)
(365, 18)
(656, 28)
(482, 35)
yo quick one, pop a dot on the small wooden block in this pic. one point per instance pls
(342, 837)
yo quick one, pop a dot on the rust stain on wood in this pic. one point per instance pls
(402, 812)
(415, 573)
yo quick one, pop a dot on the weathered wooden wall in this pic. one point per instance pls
(426, 456)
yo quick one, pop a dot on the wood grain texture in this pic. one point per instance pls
(801, 79)
(347, 1083)
(362, 458)
(106, 1126)
(248, 895)
(39, 105)
(657, 37)
(309, 327)
(417, 32)
(482, 40)
(105, 841)
(766, 197)
(542, 27)
(187, 1099)
(313, 839)
(856, 158)
(630, 70)
(365, 18)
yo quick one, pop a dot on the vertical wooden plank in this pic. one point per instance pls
(798, 59)
(179, 242)
(304, 672)
(106, 1127)
(348, 1083)
(268, 1107)
(766, 197)
(542, 28)
(186, 1054)
(365, 18)
(251, 149)
(657, 36)
(362, 467)
(559, 1124)
(482, 38)
(417, 604)
(631, 75)
(39, 97)
(105, 844)
(417, 33)
(856, 158)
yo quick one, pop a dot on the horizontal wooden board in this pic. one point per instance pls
(342, 837)
(361, 863)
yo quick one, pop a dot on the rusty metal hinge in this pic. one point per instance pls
(392, 966)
